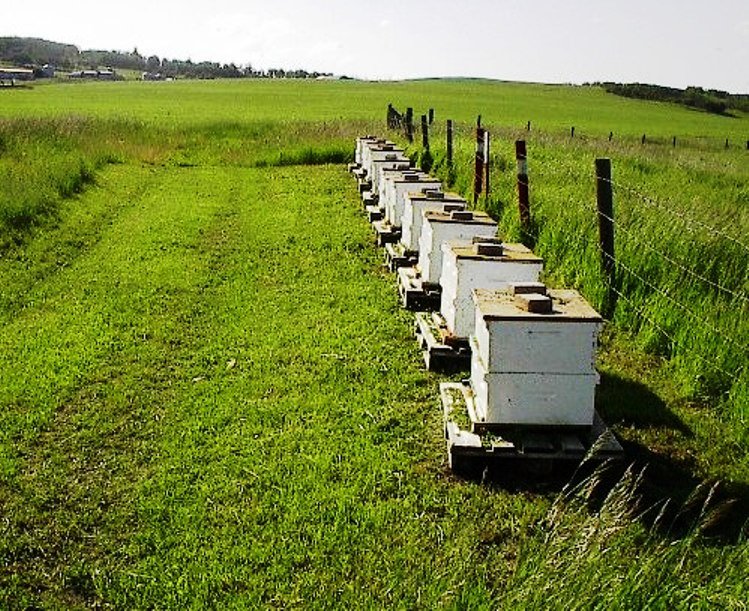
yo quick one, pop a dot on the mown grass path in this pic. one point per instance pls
(210, 397)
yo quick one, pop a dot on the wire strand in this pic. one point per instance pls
(680, 305)
(684, 217)
(641, 312)
(674, 262)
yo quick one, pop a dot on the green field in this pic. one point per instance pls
(210, 397)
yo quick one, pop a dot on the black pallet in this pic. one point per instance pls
(396, 256)
(369, 198)
(385, 233)
(374, 213)
(438, 355)
(415, 294)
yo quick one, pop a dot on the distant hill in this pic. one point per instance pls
(36, 52)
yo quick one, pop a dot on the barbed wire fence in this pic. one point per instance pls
(708, 313)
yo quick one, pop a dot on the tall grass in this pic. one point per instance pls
(46, 160)
(607, 557)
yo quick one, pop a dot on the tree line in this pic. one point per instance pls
(710, 100)
(36, 52)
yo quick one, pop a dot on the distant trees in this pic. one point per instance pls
(710, 100)
(36, 52)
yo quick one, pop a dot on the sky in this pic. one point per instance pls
(666, 42)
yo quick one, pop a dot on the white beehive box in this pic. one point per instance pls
(534, 368)
(466, 267)
(416, 204)
(512, 340)
(365, 142)
(377, 149)
(389, 161)
(387, 174)
(533, 399)
(396, 185)
(440, 227)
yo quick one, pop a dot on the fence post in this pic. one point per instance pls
(644, 138)
(390, 116)
(487, 142)
(479, 165)
(431, 116)
(528, 126)
(726, 142)
(605, 201)
(410, 124)
(572, 132)
(524, 205)
(449, 142)
(424, 133)
(673, 142)
(611, 136)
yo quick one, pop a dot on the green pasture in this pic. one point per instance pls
(211, 398)
(550, 108)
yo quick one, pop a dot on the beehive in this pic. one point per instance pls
(365, 142)
(483, 264)
(533, 357)
(414, 206)
(377, 148)
(386, 161)
(397, 184)
(440, 227)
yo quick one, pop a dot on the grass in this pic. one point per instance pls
(179, 409)
(209, 395)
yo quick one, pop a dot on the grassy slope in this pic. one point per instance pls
(170, 415)
(549, 107)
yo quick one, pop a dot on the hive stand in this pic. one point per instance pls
(397, 256)
(416, 294)
(442, 351)
(508, 451)
(385, 233)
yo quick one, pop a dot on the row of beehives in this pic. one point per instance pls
(480, 305)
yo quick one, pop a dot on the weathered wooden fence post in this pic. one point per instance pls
(424, 133)
(644, 139)
(524, 205)
(528, 126)
(431, 116)
(450, 142)
(572, 132)
(673, 142)
(390, 116)
(479, 163)
(410, 124)
(611, 136)
(487, 167)
(605, 202)
(726, 142)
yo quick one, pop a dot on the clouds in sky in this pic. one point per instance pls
(671, 42)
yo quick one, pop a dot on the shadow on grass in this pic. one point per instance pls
(624, 401)
(670, 499)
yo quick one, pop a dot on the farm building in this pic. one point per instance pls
(107, 74)
(11, 75)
